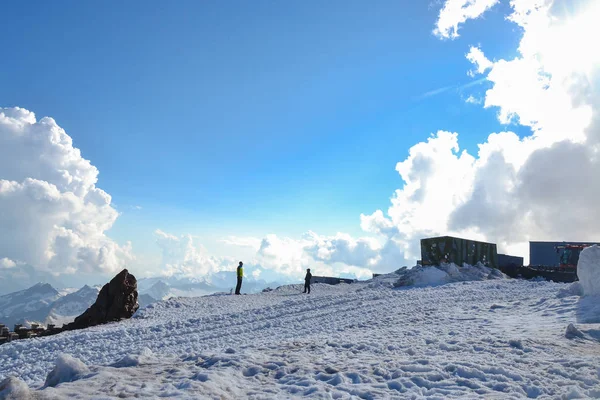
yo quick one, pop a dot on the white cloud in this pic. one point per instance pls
(52, 215)
(181, 256)
(473, 100)
(331, 255)
(344, 249)
(479, 60)
(251, 242)
(283, 255)
(541, 187)
(7, 263)
(378, 223)
(325, 255)
(437, 177)
(456, 12)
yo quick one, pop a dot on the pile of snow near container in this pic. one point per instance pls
(588, 270)
(425, 332)
(445, 273)
(588, 288)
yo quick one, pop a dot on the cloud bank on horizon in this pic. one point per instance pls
(281, 258)
(540, 187)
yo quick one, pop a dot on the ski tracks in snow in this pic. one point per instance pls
(490, 339)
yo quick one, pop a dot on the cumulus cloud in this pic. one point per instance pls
(283, 255)
(544, 185)
(378, 223)
(182, 257)
(437, 177)
(343, 248)
(479, 61)
(456, 12)
(52, 215)
(539, 187)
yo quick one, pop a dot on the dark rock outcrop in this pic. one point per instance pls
(117, 300)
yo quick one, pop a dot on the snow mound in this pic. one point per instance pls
(424, 276)
(574, 289)
(14, 389)
(445, 273)
(385, 281)
(133, 360)
(67, 369)
(588, 270)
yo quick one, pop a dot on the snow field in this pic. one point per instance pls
(487, 339)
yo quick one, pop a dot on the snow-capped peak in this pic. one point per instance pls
(26, 304)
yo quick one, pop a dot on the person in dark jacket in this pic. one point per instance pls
(240, 275)
(307, 281)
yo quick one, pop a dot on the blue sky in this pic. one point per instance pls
(249, 118)
(238, 114)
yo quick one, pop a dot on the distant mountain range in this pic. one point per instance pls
(42, 303)
(224, 281)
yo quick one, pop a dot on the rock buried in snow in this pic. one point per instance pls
(588, 270)
(117, 300)
(573, 332)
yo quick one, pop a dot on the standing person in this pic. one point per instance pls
(240, 275)
(307, 281)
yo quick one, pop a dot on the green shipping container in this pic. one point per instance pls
(436, 250)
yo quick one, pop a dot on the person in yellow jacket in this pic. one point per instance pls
(240, 275)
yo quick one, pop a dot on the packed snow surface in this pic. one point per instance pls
(492, 339)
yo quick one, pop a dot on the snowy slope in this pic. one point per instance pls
(145, 300)
(158, 291)
(66, 308)
(497, 338)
